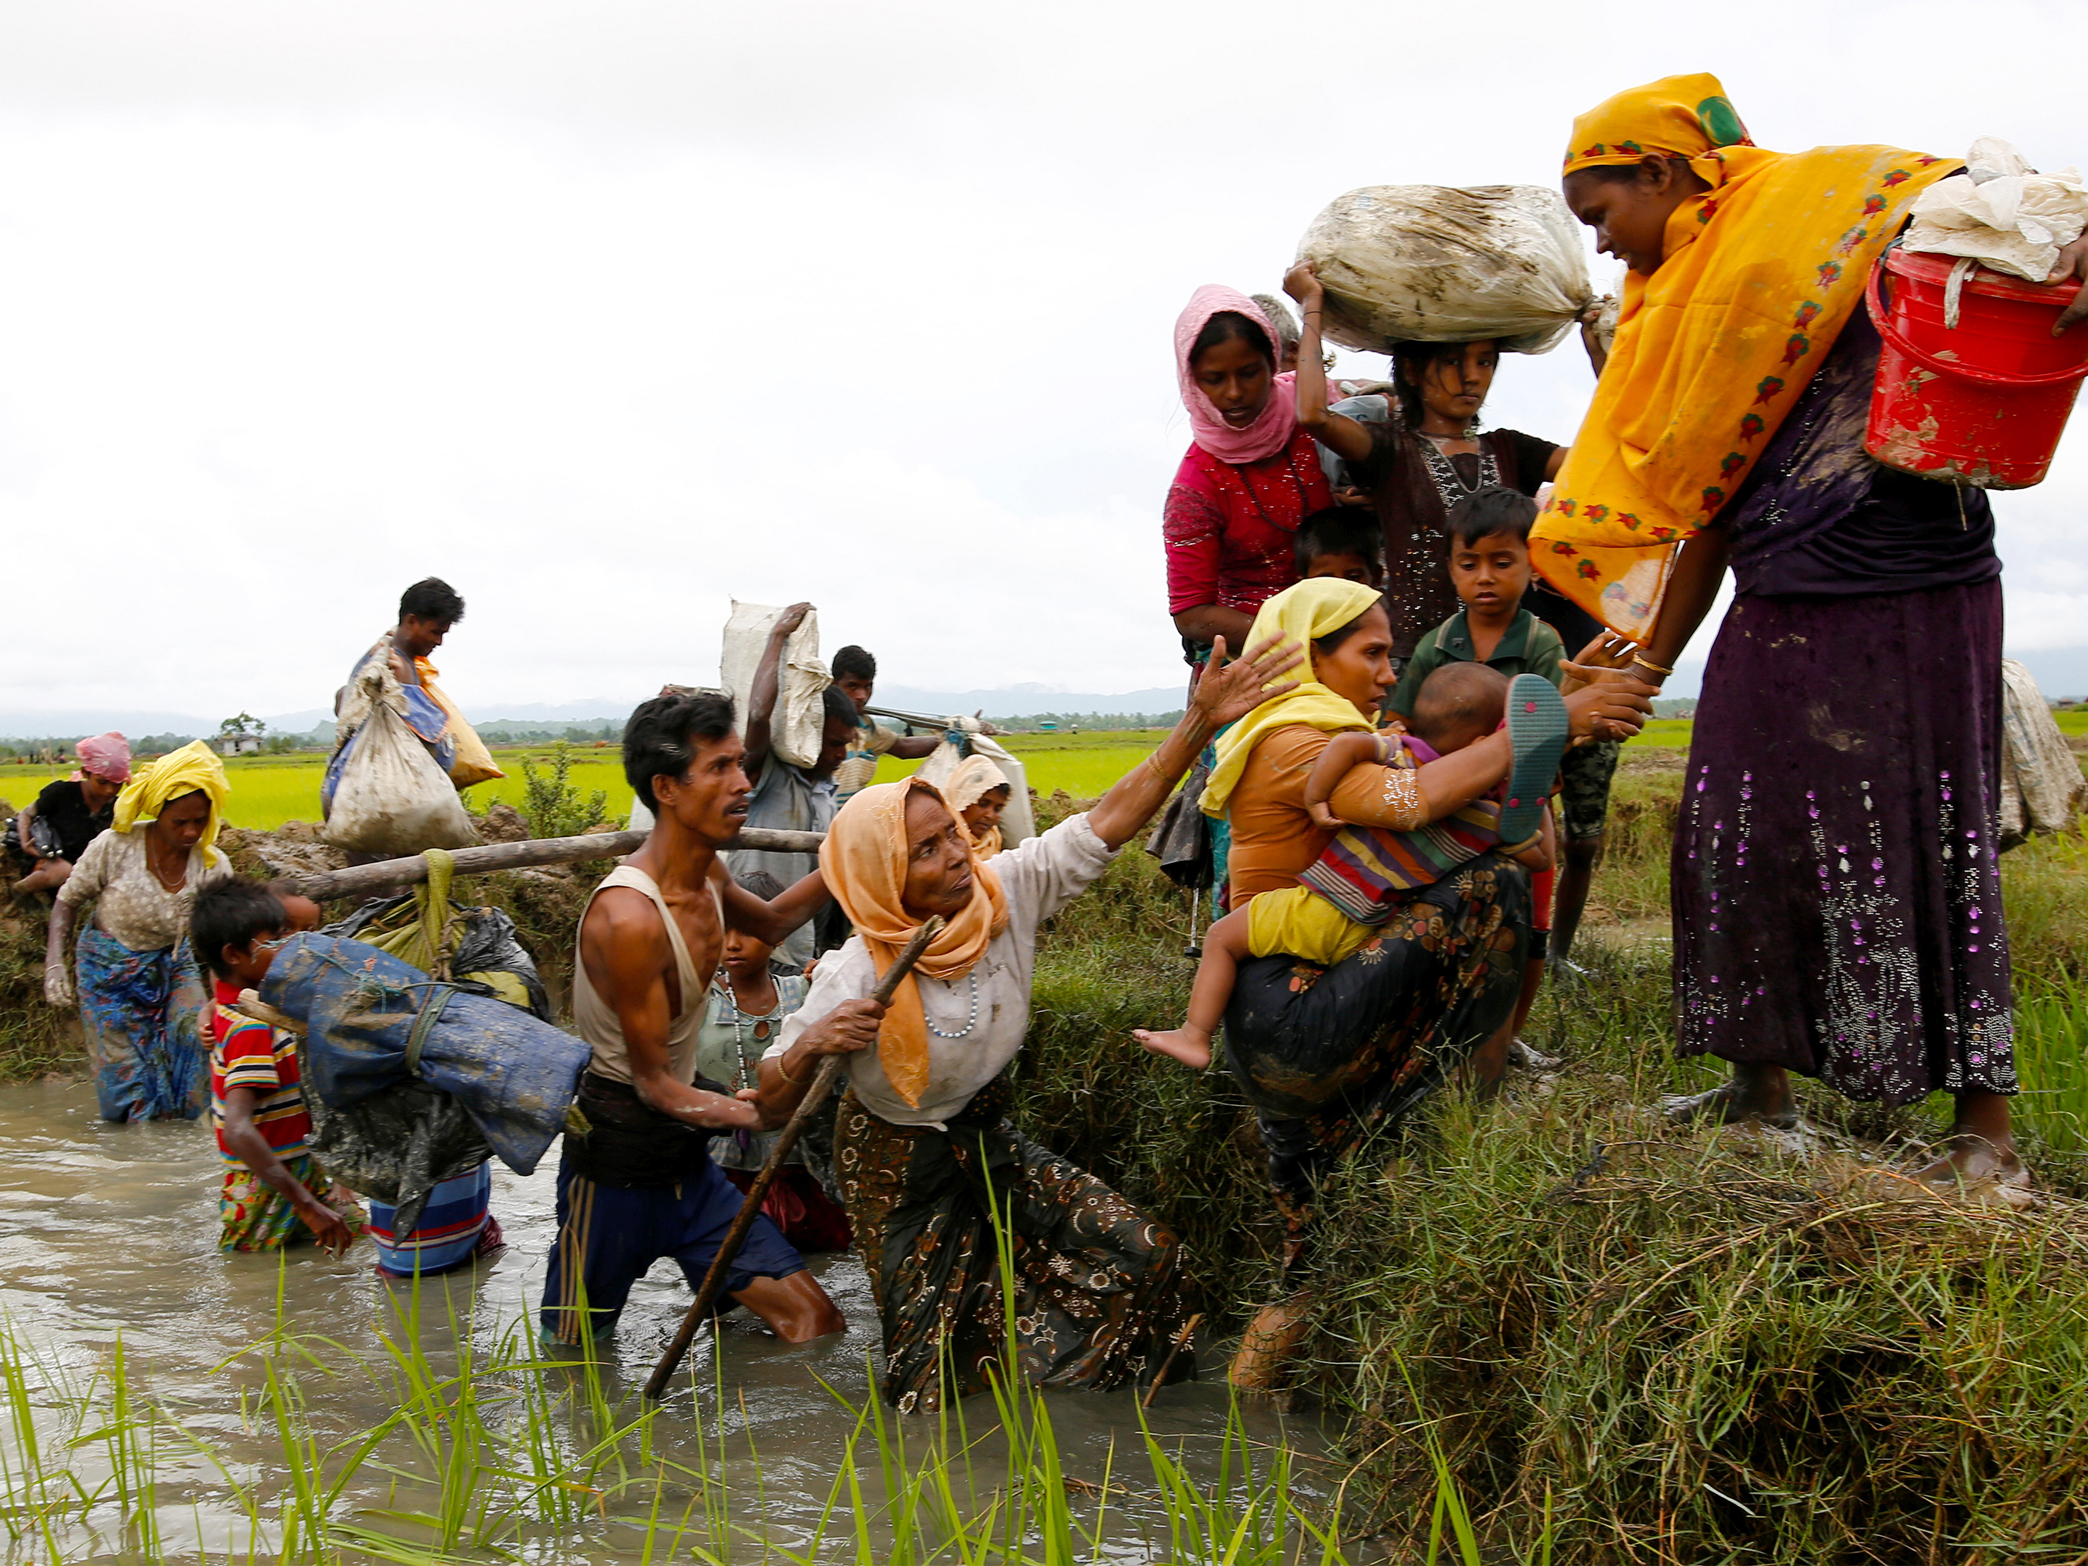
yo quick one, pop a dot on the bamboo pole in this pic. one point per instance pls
(815, 1095)
(390, 874)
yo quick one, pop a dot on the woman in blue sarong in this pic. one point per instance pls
(141, 995)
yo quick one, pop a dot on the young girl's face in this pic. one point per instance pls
(1237, 377)
(746, 956)
(983, 814)
(1454, 386)
(301, 912)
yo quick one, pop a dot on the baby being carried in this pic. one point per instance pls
(1366, 874)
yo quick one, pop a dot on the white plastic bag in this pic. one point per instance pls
(2042, 789)
(2000, 214)
(1018, 823)
(393, 799)
(798, 726)
(1433, 263)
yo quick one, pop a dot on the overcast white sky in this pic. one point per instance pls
(610, 311)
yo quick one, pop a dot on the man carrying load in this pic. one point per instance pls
(427, 611)
(640, 1185)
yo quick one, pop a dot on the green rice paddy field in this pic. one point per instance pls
(269, 790)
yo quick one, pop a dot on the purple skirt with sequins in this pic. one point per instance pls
(1837, 901)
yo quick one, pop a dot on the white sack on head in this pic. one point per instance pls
(1434, 263)
(2000, 214)
(798, 726)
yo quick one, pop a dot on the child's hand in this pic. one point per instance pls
(1323, 815)
(327, 1226)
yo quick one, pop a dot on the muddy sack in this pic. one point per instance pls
(797, 725)
(393, 798)
(373, 1023)
(1436, 264)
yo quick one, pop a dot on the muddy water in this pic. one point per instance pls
(108, 1230)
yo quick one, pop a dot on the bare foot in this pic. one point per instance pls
(1976, 1167)
(1190, 1045)
(1271, 1341)
(1759, 1095)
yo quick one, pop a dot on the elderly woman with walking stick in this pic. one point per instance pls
(922, 1137)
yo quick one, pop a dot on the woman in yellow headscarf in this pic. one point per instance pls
(1836, 902)
(1327, 1056)
(141, 990)
(922, 1133)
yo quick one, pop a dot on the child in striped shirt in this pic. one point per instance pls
(269, 1196)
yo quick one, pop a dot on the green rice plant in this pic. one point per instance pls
(554, 805)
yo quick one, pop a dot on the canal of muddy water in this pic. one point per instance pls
(165, 1401)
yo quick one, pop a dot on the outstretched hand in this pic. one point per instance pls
(1227, 692)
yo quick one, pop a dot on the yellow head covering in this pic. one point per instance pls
(1758, 277)
(864, 861)
(1298, 614)
(1675, 117)
(178, 773)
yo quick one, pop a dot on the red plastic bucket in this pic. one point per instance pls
(1983, 402)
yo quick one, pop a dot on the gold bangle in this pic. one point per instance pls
(1165, 780)
(783, 1071)
(1648, 664)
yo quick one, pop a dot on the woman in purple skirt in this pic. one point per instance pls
(1837, 899)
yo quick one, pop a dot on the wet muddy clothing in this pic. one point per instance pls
(1837, 890)
(640, 1186)
(1331, 1055)
(456, 1226)
(1097, 1303)
(249, 1054)
(63, 808)
(1413, 486)
(609, 1236)
(1097, 1278)
(254, 1216)
(142, 1014)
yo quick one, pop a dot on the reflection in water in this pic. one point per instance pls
(111, 1230)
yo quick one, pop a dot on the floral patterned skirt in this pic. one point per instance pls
(254, 1216)
(1837, 890)
(1097, 1297)
(142, 1013)
(1330, 1055)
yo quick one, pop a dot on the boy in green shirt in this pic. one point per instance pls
(1490, 568)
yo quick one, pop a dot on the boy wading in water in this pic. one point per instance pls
(270, 1198)
(640, 1185)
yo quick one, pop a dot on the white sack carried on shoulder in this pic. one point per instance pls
(798, 724)
(2042, 789)
(1434, 263)
(2001, 214)
(393, 799)
(1018, 823)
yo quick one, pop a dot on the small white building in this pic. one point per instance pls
(238, 745)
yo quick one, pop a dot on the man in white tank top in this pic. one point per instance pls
(640, 1186)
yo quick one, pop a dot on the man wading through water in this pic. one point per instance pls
(640, 1185)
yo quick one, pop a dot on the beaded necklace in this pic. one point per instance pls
(970, 1022)
(762, 1027)
(1448, 482)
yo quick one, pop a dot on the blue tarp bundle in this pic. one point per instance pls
(373, 1023)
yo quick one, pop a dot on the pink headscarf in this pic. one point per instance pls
(106, 756)
(1269, 433)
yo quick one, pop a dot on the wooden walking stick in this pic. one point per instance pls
(815, 1095)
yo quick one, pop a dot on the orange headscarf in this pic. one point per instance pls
(864, 861)
(1759, 275)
